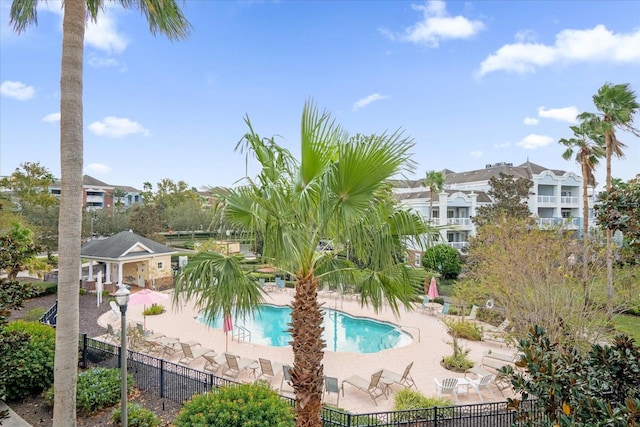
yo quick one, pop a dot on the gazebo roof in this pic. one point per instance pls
(125, 244)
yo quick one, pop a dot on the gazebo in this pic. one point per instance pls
(129, 259)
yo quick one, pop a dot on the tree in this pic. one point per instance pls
(29, 185)
(600, 388)
(588, 146)
(163, 16)
(118, 194)
(336, 192)
(617, 105)
(533, 278)
(509, 197)
(434, 181)
(443, 259)
(618, 209)
(17, 250)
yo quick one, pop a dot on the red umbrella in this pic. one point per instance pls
(432, 293)
(227, 325)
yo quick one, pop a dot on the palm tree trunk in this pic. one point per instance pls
(608, 153)
(585, 229)
(308, 345)
(69, 228)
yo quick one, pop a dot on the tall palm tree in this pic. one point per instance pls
(337, 192)
(164, 16)
(617, 105)
(434, 181)
(588, 147)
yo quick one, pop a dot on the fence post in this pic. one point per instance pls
(161, 378)
(435, 416)
(84, 351)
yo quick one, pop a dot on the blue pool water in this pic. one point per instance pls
(341, 332)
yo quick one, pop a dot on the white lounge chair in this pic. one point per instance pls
(268, 369)
(447, 386)
(236, 364)
(371, 387)
(404, 380)
(191, 352)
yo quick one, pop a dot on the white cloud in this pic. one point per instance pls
(531, 121)
(103, 34)
(366, 101)
(476, 153)
(592, 45)
(534, 141)
(116, 127)
(17, 90)
(437, 25)
(101, 62)
(526, 36)
(97, 168)
(52, 118)
(566, 114)
(503, 145)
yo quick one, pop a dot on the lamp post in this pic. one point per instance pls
(122, 298)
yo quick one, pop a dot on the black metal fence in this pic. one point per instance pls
(179, 383)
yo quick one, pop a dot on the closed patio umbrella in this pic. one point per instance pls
(432, 293)
(227, 325)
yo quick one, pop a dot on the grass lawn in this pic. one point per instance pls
(630, 325)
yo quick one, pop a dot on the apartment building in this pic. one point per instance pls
(555, 200)
(97, 194)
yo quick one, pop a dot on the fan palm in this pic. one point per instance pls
(434, 181)
(617, 106)
(164, 16)
(337, 192)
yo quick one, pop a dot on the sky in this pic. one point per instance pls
(472, 83)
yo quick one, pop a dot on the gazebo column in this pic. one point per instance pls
(108, 277)
(119, 272)
(91, 270)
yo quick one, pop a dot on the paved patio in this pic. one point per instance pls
(427, 349)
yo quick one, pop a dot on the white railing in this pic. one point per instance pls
(95, 199)
(566, 200)
(459, 221)
(555, 222)
(547, 199)
(458, 245)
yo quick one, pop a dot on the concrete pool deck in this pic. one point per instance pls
(430, 344)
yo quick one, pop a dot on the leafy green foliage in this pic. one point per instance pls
(444, 260)
(137, 416)
(154, 309)
(17, 251)
(466, 330)
(29, 369)
(600, 388)
(457, 362)
(98, 388)
(509, 197)
(408, 399)
(236, 406)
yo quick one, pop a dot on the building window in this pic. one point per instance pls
(435, 213)
(566, 214)
(417, 260)
(160, 265)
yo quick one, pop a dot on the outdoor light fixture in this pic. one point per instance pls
(122, 298)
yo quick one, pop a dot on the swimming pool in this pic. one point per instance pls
(342, 332)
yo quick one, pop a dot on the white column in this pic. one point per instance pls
(119, 272)
(91, 270)
(108, 278)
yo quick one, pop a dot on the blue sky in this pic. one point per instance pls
(471, 82)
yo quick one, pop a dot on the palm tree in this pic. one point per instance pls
(617, 105)
(434, 180)
(337, 192)
(163, 16)
(118, 194)
(588, 147)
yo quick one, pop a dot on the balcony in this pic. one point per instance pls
(466, 222)
(566, 223)
(95, 199)
(458, 245)
(566, 200)
(547, 200)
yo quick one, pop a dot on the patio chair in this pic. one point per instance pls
(280, 284)
(483, 383)
(331, 386)
(115, 310)
(474, 312)
(235, 365)
(191, 352)
(213, 362)
(145, 332)
(447, 386)
(445, 308)
(286, 377)
(112, 334)
(404, 380)
(497, 334)
(268, 369)
(371, 387)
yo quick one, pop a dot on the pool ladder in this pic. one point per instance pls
(240, 333)
(387, 341)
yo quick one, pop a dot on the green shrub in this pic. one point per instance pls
(137, 416)
(44, 288)
(444, 259)
(237, 406)
(466, 330)
(30, 368)
(83, 291)
(492, 317)
(457, 363)
(97, 389)
(408, 399)
(153, 310)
